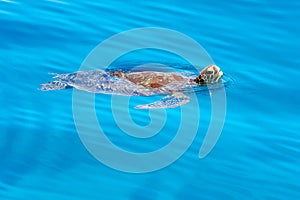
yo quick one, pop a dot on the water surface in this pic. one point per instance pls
(257, 155)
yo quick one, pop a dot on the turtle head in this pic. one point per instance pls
(209, 75)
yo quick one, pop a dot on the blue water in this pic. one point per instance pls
(257, 155)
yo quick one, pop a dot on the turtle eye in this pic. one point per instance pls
(197, 80)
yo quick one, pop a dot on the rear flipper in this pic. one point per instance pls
(54, 85)
(170, 101)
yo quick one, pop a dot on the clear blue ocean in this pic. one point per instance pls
(257, 156)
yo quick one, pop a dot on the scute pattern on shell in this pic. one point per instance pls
(154, 79)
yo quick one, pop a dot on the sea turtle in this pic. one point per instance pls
(142, 83)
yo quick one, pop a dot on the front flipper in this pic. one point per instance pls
(54, 85)
(170, 101)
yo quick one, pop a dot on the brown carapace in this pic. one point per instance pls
(142, 83)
